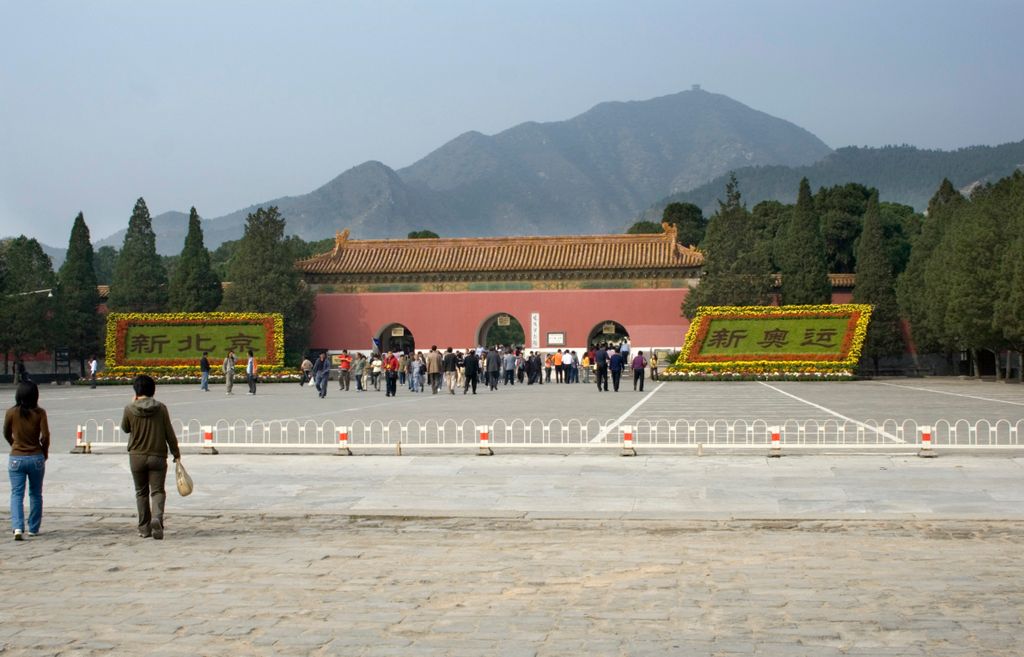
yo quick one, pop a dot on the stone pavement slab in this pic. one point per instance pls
(243, 583)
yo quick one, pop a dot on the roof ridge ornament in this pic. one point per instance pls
(670, 229)
(340, 238)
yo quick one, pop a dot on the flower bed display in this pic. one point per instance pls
(773, 342)
(168, 346)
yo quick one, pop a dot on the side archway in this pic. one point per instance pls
(397, 338)
(501, 328)
(608, 331)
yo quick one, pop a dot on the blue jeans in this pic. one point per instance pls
(33, 468)
(205, 382)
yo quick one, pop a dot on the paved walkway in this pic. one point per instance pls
(527, 555)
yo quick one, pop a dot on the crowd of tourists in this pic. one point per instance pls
(450, 370)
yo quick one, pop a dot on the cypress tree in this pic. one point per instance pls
(264, 279)
(737, 263)
(802, 260)
(972, 280)
(1010, 295)
(920, 288)
(26, 325)
(876, 286)
(140, 282)
(80, 327)
(194, 287)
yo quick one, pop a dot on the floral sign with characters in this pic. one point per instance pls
(774, 340)
(169, 345)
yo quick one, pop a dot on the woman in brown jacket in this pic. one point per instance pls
(27, 431)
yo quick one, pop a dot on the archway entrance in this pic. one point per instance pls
(608, 331)
(501, 329)
(396, 338)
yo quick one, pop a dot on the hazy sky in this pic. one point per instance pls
(220, 104)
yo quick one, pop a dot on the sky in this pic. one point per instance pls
(220, 105)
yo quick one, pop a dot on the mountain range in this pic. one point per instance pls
(597, 172)
(592, 173)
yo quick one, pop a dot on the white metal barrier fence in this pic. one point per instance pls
(577, 434)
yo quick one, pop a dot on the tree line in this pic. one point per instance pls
(44, 309)
(953, 275)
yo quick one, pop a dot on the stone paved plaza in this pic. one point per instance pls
(533, 554)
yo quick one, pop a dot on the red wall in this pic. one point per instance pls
(349, 321)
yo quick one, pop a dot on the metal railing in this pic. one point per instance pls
(591, 433)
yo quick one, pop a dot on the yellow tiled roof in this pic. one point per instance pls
(505, 254)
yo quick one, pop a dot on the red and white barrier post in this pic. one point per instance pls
(484, 432)
(926, 451)
(81, 447)
(776, 448)
(343, 449)
(208, 447)
(627, 441)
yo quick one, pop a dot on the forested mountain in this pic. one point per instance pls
(588, 174)
(902, 174)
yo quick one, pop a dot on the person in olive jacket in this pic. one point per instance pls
(150, 437)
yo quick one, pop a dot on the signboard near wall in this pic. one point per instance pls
(179, 339)
(762, 339)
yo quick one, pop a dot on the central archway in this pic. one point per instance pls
(608, 331)
(501, 329)
(397, 338)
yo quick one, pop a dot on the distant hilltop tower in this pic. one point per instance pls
(694, 87)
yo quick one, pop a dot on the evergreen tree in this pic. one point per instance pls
(802, 255)
(737, 266)
(140, 282)
(423, 235)
(264, 279)
(194, 287)
(80, 327)
(876, 286)
(919, 289)
(840, 209)
(104, 263)
(688, 220)
(1010, 295)
(26, 324)
(972, 249)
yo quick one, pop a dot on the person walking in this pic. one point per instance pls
(204, 373)
(376, 367)
(601, 368)
(358, 368)
(229, 372)
(585, 364)
(150, 437)
(567, 367)
(434, 369)
(93, 366)
(322, 374)
(390, 367)
(416, 367)
(250, 373)
(508, 366)
(306, 370)
(615, 366)
(471, 366)
(450, 365)
(639, 363)
(493, 367)
(654, 366)
(28, 433)
(344, 367)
